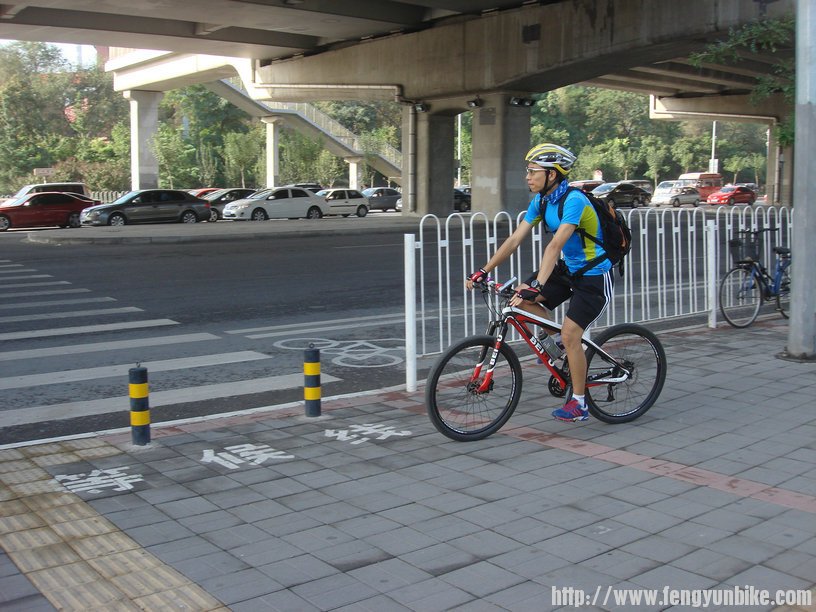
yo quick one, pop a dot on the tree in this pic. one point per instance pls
(241, 153)
(735, 164)
(176, 158)
(655, 153)
(328, 168)
(769, 37)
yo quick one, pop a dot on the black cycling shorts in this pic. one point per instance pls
(590, 294)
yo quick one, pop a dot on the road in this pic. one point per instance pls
(221, 326)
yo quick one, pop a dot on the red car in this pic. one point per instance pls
(44, 209)
(732, 195)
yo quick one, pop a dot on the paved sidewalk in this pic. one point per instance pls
(369, 508)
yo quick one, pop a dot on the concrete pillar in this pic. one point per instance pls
(501, 138)
(435, 172)
(354, 171)
(802, 329)
(273, 125)
(144, 123)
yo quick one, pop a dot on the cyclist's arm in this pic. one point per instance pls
(507, 248)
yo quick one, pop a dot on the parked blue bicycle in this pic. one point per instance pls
(748, 284)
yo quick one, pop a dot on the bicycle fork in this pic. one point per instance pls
(487, 382)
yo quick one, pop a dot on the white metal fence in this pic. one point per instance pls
(677, 259)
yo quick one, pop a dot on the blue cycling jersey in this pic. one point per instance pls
(579, 212)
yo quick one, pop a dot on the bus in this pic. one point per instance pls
(705, 183)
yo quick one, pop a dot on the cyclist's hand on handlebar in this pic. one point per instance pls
(524, 294)
(480, 276)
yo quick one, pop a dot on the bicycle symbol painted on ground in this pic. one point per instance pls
(376, 353)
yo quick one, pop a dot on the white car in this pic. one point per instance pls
(281, 203)
(673, 193)
(345, 201)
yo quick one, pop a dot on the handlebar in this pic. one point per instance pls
(493, 287)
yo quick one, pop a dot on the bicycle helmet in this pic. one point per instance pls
(548, 155)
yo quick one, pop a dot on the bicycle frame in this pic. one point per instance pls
(771, 285)
(519, 319)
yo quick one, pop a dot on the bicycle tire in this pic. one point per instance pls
(639, 349)
(454, 408)
(783, 297)
(740, 297)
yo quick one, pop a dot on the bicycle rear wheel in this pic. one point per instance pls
(740, 297)
(455, 406)
(783, 297)
(643, 356)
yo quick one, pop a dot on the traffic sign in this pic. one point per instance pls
(44, 171)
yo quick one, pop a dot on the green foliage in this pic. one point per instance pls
(241, 154)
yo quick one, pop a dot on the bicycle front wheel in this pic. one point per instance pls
(455, 405)
(642, 355)
(740, 297)
(783, 297)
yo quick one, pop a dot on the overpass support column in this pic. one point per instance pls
(144, 123)
(354, 171)
(434, 163)
(272, 150)
(501, 138)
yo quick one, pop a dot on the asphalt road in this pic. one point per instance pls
(221, 325)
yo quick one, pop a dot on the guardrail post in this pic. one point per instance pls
(711, 262)
(311, 381)
(410, 313)
(139, 406)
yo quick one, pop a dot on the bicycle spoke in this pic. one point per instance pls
(740, 297)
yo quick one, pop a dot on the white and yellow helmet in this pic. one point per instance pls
(548, 155)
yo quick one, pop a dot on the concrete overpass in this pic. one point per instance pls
(436, 57)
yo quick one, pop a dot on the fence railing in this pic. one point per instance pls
(677, 259)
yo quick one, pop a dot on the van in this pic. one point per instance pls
(79, 188)
(705, 183)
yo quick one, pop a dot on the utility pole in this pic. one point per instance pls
(802, 330)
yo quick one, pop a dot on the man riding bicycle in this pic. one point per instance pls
(557, 279)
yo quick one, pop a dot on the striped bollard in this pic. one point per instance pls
(311, 381)
(139, 406)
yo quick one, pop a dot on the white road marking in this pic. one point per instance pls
(55, 303)
(162, 365)
(40, 414)
(69, 315)
(42, 284)
(85, 329)
(44, 292)
(75, 349)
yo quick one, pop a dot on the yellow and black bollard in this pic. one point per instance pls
(139, 406)
(311, 381)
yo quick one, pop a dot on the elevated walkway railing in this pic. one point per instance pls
(673, 271)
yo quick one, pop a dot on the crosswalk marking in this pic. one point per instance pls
(43, 292)
(16, 271)
(40, 284)
(68, 315)
(16, 278)
(76, 349)
(85, 329)
(40, 414)
(300, 328)
(55, 303)
(163, 365)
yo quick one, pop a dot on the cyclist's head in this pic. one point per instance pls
(552, 157)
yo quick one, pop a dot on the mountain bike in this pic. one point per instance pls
(748, 284)
(475, 385)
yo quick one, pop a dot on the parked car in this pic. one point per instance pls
(343, 201)
(69, 187)
(222, 197)
(461, 200)
(310, 186)
(149, 206)
(622, 194)
(202, 191)
(732, 194)
(673, 193)
(382, 198)
(280, 203)
(645, 185)
(586, 186)
(44, 209)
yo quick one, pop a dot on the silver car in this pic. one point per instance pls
(382, 198)
(281, 203)
(674, 194)
(345, 201)
(149, 206)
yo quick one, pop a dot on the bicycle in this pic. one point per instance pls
(475, 385)
(745, 286)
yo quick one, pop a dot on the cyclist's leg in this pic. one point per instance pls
(592, 295)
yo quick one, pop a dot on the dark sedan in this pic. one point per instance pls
(382, 198)
(461, 200)
(149, 206)
(622, 194)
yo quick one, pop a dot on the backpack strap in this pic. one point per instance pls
(583, 233)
